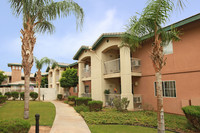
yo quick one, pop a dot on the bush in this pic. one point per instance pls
(121, 104)
(59, 96)
(71, 103)
(66, 102)
(8, 94)
(192, 113)
(83, 100)
(34, 95)
(14, 126)
(72, 98)
(15, 95)
(0, 93)
(95, 105)
(22, 95)
(107, 92)
(2, 99)
(82, 108)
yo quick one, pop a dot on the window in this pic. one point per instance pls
(168, 88)
(168, 49)
(75, 89)
(87, 89)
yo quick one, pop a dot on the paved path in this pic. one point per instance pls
(67, 120)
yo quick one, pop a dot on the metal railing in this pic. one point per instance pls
(112, 66)
(86, 72)
(86, 94)
(135, 65)
(110, 97)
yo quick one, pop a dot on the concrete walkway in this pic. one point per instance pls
(67, 120)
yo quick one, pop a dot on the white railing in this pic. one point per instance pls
(57, 78)
(112, 66)
(110, 97)
(86, 94)
(135, 65)
(50, 80)
(86, 72)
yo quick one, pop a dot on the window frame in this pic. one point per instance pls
(88, 88)
(76, 88)
(155, 93)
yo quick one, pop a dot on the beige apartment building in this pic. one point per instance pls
(108, 66)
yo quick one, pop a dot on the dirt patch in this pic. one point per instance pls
(43, 129)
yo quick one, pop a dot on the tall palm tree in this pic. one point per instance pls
(153, 16)
(37, 15)
(39, 64)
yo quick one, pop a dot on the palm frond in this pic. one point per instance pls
(44, 26)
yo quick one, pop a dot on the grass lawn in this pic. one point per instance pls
(143, 118)
(15, 109)
(121, 129)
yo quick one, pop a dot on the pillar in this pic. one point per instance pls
(80, 82)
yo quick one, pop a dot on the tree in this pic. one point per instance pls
(37, 15)
(39, 64)
(44, 82)
(154, 15)
(2, 77)
(69, 78)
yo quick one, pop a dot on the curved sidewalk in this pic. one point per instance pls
(67, 120)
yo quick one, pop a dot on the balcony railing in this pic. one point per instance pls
(86, 72)
(110, 97)
(112, 66)
(57, 78)
(86, 94)
(50, 80)
(135, 65)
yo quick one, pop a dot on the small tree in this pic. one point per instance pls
(44, 82)
(2, 77)
(69, 78)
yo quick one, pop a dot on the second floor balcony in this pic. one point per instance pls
(86, 73)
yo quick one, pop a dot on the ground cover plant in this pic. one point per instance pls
(141, 118)
(15, 109)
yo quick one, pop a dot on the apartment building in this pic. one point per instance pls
(108, 66)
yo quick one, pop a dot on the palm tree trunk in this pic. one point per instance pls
(39, 78)
(28, 42)
(160, 110)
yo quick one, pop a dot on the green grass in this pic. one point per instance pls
(143, 118)
(121, 129)
(15, 109)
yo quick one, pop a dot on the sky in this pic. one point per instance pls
(101, 16)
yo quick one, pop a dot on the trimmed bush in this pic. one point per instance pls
(72, 98)
(95, 105)
(192, 113)
(59, 96)
(14, 126)
(22, 95)
(83, 100)
(15, 95)
(121, 104)
(34, 95)
(71, 103)
(8, 94)
(2, 99)
(0, 93)
(81, 108)
(66, 102)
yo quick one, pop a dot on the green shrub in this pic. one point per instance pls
(83, 100)
(0, 93)
(192, 113)
(2, 99)
(81, 108)
(66, 102)
(121, 104)
(14, 126)
(22, 95)
(8, 94)
(95, 105)
(59, 96)
(15, 95)
(71, 103)
(72, 98)
(107, 92)
(34, 95)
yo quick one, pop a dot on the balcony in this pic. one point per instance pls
(57, 78)
(110, 97)
(86, 73)
(86, 94)
(135, 65)
(50, 80)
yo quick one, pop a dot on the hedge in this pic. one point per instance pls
(22, 95)
(95, 105)
(59, 96)
(192, 113)
(2, 99)
(14, 126)
(34, 95)
(81, 108)
(0, 93)
(15, 95)
(72, 98)
(83, 100)
(8, 94)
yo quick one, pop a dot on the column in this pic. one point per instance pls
(80, 82)
(126, 78)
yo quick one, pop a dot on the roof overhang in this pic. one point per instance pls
(79, 52)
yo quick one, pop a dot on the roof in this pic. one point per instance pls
(14, 64)
(73, 64)
(62, 64)
(118, 34)
(18, 83)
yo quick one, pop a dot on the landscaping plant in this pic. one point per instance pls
(22, 95)
(59, 96)
(71, 103)
(83, 100)
(121, 104)
(81, 108)
(34, 95)
(2, 99)
(15, 95)
(2, 77)
(8, 94)
(95, 105)
(72, 98)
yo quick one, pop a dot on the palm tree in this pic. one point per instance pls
(39, 64)
(37, 15)
(154, 15)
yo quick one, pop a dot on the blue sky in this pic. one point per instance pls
(101, 16)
